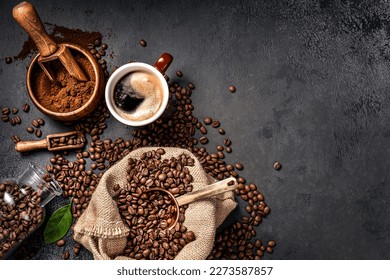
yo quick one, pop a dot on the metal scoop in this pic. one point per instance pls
(54, 142)
(229, 184)
(28, 18)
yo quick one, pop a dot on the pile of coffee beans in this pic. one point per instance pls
(150, 214)
(69, 140)
(20, 215)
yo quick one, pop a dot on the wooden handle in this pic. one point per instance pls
(211, 190)
(163, 62)
(27, 146)
(28, 18)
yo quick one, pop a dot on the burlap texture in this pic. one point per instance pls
(100, 228)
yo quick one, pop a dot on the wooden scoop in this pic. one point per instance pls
(28, 18)
(229, 184)
(54, 142)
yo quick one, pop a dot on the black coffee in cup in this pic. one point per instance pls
(138, 96)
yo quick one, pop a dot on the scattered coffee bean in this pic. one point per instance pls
(215, 124)
(66, 255)
(221, 131)
(104, 46)
(203, 140)
(8, 60)
(30, 129)
(191, 86)
(40, 121)
(232, 88)
(60, 243)
(271, 243)
(25, 107)
(277, 165)
(15, 139)
(4, 118)
(228, 149)
(35, 123)
(5, 111)
(203, 130)
(12, 121)
(179, 73)
(76, 251)
(239, 166)
(142, 42)
(227, 142)
(15, 111)
(38, 133)
(208, 120)
(18, 120)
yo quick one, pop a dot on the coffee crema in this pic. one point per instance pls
(138, 96)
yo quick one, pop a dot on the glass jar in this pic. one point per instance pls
(22, 202)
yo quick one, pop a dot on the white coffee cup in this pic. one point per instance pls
(157, 71)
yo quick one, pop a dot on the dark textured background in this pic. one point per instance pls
(312, 82)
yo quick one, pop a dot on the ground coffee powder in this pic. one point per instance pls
(69, 94)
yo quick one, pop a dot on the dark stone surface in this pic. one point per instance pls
(312, 81)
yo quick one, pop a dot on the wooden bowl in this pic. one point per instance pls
(86, 108)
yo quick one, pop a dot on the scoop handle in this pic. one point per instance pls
(27, 17)
(27, 146)
(211, 190)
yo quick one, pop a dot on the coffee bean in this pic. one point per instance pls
(5, 111)
(15, 138)
(35, 123)
(232, 88)
(15, 110)
(215, 124)
(25, 107)
(93, 51)
(191, 86)
(4, 118)
(76, 251)
(60, 243)
(66, 255)
(239, 166)
(38, 133)
(227, 142)
(18, 120)
(221, 131)
(271, 243)
(228, 149)
(142, 42)
(203, 140)
(8, 60)
(208, 120)
(179, 73)
(104, 46)
(277, 165)
(40, 121)
(203, 130)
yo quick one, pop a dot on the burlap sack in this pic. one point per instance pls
(100, 228)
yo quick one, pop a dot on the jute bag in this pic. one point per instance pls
(100, 228)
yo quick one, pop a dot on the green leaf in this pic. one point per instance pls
(58, 225)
